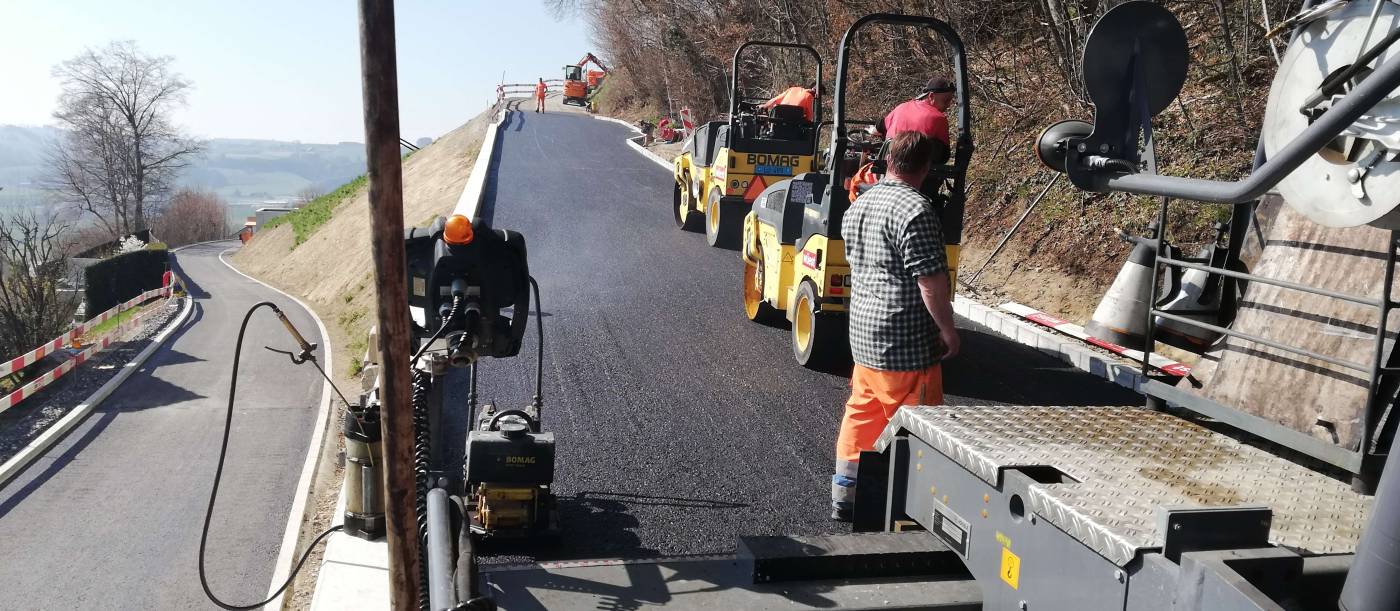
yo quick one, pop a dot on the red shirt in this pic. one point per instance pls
(793, 96)
(919, 116)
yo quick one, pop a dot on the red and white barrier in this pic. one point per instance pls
(1157, 361)
(25, 391)
(33, 356)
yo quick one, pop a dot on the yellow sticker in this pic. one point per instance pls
(1010, 568)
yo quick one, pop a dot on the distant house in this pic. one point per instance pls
(262, 215)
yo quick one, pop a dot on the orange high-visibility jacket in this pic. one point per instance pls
(793, 96)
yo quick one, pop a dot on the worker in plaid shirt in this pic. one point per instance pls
(901, 318)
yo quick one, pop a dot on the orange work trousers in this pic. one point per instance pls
(875, 396)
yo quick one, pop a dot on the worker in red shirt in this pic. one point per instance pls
(540, 90)
(926, 113)
(803, 97)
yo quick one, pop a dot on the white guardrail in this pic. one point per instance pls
(69, 337)
(515, 90)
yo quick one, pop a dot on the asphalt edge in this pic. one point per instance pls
(1050, 343)
(632, 142)
(58, 430)
(469, 203)
(297, 516)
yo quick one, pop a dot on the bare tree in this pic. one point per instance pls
(122, 151)
(33, 269)
(192, 216)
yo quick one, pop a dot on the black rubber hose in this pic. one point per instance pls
(423, 449)
(539, 350)
(218, 475)
(422, 460)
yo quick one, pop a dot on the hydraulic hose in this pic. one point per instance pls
(423, 447)
(422, 455)
(219, 472)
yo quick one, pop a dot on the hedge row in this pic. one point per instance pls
(112, 281)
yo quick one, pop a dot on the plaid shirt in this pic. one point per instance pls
(893, 236)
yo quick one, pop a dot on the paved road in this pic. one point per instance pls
(110, 517)
(681, 425)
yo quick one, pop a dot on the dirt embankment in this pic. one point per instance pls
(332, 271)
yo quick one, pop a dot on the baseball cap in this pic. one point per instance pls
(938, 84)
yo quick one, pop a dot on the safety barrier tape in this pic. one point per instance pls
(25, 360)
(1157, 361)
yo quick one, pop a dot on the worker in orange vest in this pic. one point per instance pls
(803, 97)
(540, 89)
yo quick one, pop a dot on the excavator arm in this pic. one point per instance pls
(589, 57)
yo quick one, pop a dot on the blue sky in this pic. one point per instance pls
(289, 69)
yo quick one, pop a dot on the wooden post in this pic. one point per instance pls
(381, 106)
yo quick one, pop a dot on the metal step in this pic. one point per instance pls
(1129, 463)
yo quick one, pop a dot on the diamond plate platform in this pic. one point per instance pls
(1129, 462)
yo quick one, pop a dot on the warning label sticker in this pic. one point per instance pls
(1010, 568)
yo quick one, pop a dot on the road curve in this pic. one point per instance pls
(680, 424)
(110, 516)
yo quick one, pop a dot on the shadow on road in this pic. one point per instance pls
(992, 368)
(487, 213)
(174, 357)
(155, 392)
(191, 287)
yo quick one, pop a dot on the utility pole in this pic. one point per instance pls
(379, 76)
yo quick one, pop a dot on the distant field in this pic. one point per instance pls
(245, 173)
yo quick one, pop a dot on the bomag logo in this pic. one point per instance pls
(787, 160)
(520, 460)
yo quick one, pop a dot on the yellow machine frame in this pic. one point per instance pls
(792, 262)
(716, 196)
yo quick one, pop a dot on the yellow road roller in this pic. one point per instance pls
(794, 255)
(726, 164)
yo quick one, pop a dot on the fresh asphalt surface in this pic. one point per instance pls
(109, 518)
(680, 424)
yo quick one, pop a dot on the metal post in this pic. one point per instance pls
(441, 590)
(379, 76)
(1370, 584)
(1379, 394)
(1053, 179)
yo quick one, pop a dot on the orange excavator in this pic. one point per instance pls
(578, 85)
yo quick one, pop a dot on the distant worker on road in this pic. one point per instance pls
(901, 318)
(802, 97)
(540, 90)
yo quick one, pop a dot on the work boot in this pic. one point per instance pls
(842, 512)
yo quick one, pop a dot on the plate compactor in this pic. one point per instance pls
(472, 288)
